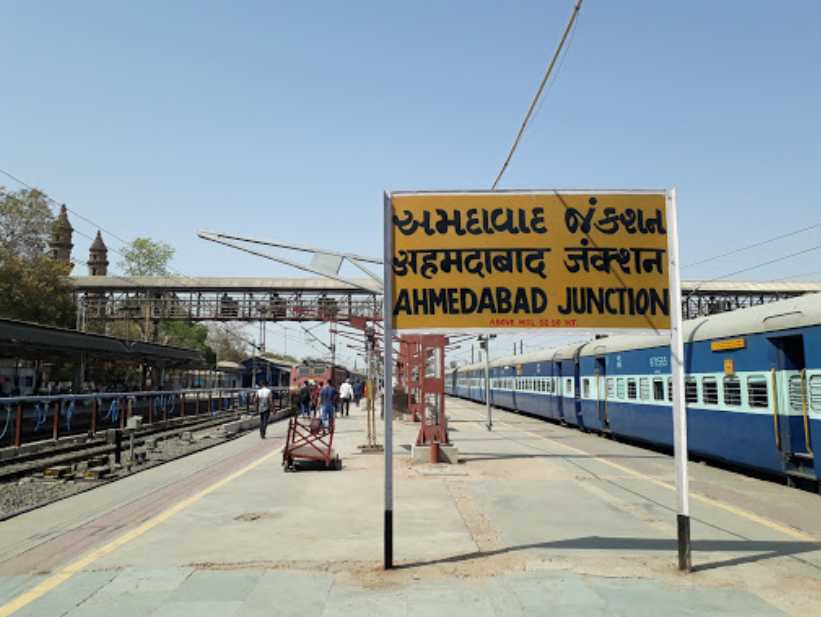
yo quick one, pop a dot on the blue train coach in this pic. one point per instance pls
(752, 387)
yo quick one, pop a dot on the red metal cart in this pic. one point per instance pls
(310, 444)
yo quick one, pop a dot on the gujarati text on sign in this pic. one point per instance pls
(593, 260)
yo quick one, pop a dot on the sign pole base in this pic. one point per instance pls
(685, 562)
(388, 539)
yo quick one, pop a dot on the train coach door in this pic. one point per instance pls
(577, 393)
(601, 393)
(791, 412)
(559, 392)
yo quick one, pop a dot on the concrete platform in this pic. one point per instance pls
(447, 454)
(536, 519)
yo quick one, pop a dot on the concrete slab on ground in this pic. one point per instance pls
(535, 519)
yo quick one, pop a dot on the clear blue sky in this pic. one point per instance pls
(288, 120)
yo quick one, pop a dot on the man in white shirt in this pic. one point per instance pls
(264, 403)
(345, 396)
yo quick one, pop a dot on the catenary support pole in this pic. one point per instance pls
(679, 405)
(388, 399)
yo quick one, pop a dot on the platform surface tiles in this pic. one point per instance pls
(537, 519)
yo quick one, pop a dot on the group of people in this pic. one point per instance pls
(314, 397)
(327, 400)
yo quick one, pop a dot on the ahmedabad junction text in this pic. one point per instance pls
(531, 265)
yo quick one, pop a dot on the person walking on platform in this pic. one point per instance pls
(264, 402)
(345, 396)
(357, 391)
(327, 399)
(314, 396)
(305, 399)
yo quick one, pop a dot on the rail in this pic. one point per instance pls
(27, 419)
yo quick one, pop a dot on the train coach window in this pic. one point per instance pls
(670, 389)
(644, 388)
(732, 391)
(611, 387)
(568, 386)
(620, 388)
(658, 389)
(631, 389)
(815, 392)
(585, 388)
(709, 388)
(758, 391)
(691, 390)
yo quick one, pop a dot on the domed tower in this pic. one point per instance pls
(59, 246)
(98, 257)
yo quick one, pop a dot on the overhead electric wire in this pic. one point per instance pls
(754, 267)
(754, 245)
(538, 95)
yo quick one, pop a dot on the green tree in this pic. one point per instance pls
(35, 289)
(187, 334)
(146, 257)
(25, 222)
(227, 345)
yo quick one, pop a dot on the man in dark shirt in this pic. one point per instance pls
(327, 400)
(305, 399)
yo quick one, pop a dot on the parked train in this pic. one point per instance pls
(752, 387)
(319, 373)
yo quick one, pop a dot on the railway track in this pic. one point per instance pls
(79, 467)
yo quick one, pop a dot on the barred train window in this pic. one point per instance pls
(585, 388)
(815, 392)
(644, 388)
(796, 393)
(658, 389)
(611, 387)
(758, 391)
(732, 391)
(631, 389)
(709, 388)
(670, 389)
(620, 388)
(569, 386)
(691, 390)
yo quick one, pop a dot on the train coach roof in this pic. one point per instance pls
(784, 314)
(793, 313)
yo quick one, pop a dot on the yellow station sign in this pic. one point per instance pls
(595, 260)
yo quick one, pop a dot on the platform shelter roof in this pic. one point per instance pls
(25, 340)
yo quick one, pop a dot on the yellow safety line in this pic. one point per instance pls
(74, 567)
(761, 520)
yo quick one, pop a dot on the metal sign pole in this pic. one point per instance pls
(679, 404)
(387, 317)
(487, 384)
